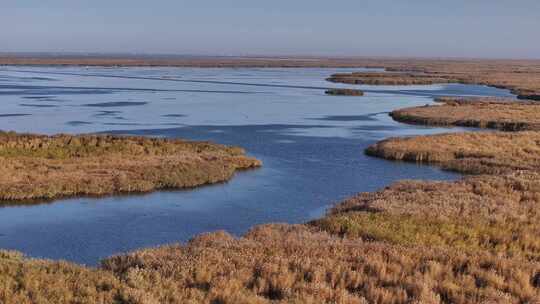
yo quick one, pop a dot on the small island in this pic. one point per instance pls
(344, 92)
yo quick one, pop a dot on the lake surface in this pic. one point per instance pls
(311, 145)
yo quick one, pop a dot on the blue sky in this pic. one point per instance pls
(459, 28)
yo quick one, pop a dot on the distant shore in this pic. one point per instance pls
(46, 59)
(180, 61)
(519, 76)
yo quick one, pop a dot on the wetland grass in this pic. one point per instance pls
(492, 113)
(38, 167)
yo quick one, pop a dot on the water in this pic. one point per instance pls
(311, 145)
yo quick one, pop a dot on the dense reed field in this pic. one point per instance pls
(47, 167)
(470, 152)
(493, 113)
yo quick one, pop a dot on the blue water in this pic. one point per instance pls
(311, 145)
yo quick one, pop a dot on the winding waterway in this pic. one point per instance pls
(311, 145)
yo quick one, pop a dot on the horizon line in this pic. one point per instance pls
(169, 55)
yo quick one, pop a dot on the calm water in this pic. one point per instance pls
(311, 145)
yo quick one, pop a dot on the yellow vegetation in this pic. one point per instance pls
(470, 152)
(24, 281)
(494, 113)
(43, 167)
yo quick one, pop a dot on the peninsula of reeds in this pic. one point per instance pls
(36, 167)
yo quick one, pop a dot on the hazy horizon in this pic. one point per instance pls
(384, 28)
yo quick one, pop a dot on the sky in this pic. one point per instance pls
(417, 28)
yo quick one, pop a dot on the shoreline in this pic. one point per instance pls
(521, 77)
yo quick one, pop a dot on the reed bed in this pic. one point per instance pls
(38, 167)
(469, 152)
(492, 113)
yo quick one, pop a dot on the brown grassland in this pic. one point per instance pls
(298, 264)
(493, 113)
(178, 61)
(474, 240)
(478, 213)
(469, 152)
(388, 78)
(47, 167)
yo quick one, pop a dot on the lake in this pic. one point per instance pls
(311, 145)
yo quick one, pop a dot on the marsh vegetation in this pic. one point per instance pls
(46, 167)
(492, 113)
(469, 152)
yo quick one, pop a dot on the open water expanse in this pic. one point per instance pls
(311, 145)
